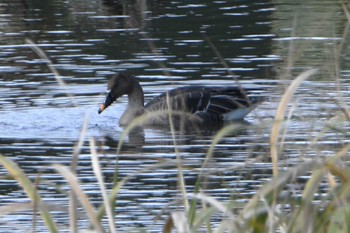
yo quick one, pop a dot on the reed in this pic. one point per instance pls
(258, 215)
(17, 173)
(279, 117)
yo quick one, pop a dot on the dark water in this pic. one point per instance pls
(166, 44)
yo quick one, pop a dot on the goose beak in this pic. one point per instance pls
(109, 100)
(102, 107)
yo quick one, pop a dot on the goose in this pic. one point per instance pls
(196, 104)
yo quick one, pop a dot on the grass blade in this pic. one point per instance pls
(73, 202)
(30, 190)
(280, 115)
(222, 133)
(84, 200)
(52, 68)
(98, 174)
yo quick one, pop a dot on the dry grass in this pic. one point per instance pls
(279, 117)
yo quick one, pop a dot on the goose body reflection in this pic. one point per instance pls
(189, 104)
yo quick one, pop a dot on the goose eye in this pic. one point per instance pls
(112, 82)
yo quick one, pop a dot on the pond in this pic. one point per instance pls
(165, 44)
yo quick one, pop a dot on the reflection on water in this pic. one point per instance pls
(164, 44)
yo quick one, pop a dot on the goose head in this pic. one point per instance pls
(123, 84)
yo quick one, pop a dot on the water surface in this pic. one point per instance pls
(166, 44)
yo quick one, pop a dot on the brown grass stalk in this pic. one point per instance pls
(279, 116)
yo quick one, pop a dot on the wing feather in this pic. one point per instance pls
(204, 100)
(188, 99)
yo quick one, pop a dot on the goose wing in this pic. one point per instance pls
(188, 99)
(214, 103)
(227, 99)
(224, 100)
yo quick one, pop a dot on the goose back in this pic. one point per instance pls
(211, 100)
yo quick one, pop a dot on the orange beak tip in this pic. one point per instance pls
(102, 107)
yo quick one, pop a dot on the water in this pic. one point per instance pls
(166, 44)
